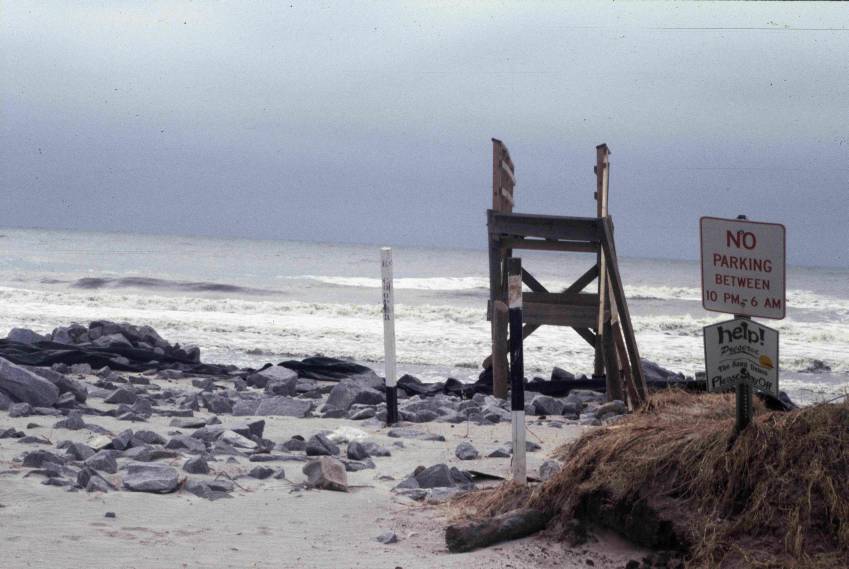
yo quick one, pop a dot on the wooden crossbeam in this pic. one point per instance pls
(532, 283)
(583, 280)
(566, 299)
(585, 229)
(549, 245)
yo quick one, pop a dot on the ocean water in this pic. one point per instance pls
(248, 302)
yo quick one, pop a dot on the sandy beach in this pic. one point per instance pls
(267, 523)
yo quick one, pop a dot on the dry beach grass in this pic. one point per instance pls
(672, 477)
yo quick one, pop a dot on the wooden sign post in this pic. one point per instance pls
(517, 368)
(389, 337)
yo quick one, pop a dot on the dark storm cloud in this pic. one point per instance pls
(371, 122)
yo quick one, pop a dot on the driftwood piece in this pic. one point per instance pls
(514, 524)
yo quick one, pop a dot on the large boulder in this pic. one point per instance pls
(284, 407)
(262, 377)
(347, 393)
(25, 386)
(157, 478)
(320, 445)
(441, 476)
(546, 405)
(25, 336)
(326, 473)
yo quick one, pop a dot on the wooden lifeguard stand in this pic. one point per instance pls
(601, 318)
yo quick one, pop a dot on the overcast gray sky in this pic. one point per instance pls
(370, 122)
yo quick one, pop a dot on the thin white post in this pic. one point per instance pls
(389, 336)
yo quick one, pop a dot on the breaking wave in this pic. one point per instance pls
(93, 283)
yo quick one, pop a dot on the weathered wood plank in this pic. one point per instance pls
(550, 245)
(568, 300)
(545, 226)
(582, 281)
(602, 178)
(587, 335)
(531, 281)
(559, 314)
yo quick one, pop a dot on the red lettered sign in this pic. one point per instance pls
(743, 268)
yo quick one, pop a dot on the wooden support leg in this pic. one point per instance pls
(611, 365)
(499, 349)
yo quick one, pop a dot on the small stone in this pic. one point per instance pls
(260, 472)
(357, 451)
(103, 461)
(466, 451)
(326, 473)
(157, 478)
(20, 410)
(387, 537)
(109, 515)
(548, 469)
(122, 395)
(320, 445)
(196, 465)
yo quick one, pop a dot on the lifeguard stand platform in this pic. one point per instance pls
(600, 317)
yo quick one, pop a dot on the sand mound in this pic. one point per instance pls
(672, 477)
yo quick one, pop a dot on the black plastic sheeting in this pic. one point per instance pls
(119, 358)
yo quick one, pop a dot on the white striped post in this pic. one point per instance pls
(389, 337)
(517, 368)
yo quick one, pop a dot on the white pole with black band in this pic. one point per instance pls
(389, 336)
(517, 368)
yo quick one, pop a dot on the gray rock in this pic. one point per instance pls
(250, 429)
(219, 404)
(374, 449)
(387, 537)
(26, 386)
(361, 414)
(80, 369)
(122, 395)
(25, 336)
(262, 377)
(112, 340)
(38, 458)
(294, 444)
(501, 452)
(79, 451)
(157, 478)
(284, 407)
(123, 440)
(196, 465)
(260, 472)
(20, 410)
(211, 490)
(74, 422)
(245, 407)
(440, 475)
(103, 461)
(320, 445)
(186, 442)
(342, 396)
(326, 473)
(236, 440)
(545, 405)
(465, 451)
(188, 422)
(356, 451)
(147, 437)
(405, 433)
(615, 407)
(5, 401)
(548, 469)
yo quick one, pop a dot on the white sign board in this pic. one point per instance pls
(741, 350)
(743, 267)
